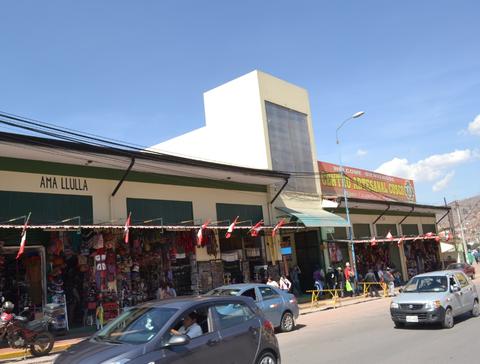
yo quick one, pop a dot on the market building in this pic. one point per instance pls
(79, 195)
(389, 228)
(254, 162)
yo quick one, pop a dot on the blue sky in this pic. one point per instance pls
(136, 71)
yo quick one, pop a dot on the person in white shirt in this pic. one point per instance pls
(189, 327)
(285, 284)
(272, 283)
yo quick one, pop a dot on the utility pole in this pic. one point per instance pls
(450, 217)
(461, 230)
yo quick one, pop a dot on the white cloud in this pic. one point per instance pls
(361, 152)
(443, 183)
(474, 126)
(429, 169)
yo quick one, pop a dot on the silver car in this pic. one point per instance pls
(435, 297)
(279, 307)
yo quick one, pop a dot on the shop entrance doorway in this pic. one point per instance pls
(308, 256)
(23, 281)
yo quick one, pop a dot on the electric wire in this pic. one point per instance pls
(74, 136)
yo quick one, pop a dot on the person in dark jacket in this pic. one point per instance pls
(331, 278)
(340, 281)
(370, 278)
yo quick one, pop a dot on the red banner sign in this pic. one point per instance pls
(364, 184)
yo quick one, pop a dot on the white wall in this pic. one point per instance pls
(234, 131)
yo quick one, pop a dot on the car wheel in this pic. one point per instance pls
(448, 319)
(287, 323)
(267, 358)
(399, 324)
(476, 309)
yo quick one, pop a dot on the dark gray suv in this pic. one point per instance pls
(182, 330)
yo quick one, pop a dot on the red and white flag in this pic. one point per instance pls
(373, 241)
(23, 240)
(275, 229)
(255, 230)
(126, 231)
(445, 235)
(200, 233)
(400, 241)
(449, 235)
(231, 228)
(389, 235)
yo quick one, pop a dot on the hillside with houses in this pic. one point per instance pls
(469, 210)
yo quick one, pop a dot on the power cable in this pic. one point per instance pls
(95, 140)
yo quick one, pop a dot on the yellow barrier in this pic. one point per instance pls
(333, 292)
(367, 285)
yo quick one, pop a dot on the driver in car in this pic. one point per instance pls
(190, 327)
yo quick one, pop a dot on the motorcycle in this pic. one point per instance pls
(20, 333)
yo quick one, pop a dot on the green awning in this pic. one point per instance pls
(316, 218)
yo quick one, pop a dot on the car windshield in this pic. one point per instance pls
(224, 292)
(426, 284)
(135, 326)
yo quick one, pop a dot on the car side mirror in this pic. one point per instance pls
(454, 288)
(177, 340)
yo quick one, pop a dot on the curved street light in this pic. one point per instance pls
(345, 195)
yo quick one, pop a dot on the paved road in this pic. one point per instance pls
(364, 333)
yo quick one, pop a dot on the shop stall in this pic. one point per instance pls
(240, 254)
(88, 275)
(422, 255)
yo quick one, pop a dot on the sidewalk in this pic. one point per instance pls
(61, 343)
(326, 304)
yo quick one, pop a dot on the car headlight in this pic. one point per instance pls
(394, 305)
(432, 305)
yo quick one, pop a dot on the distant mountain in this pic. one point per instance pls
(470, 213)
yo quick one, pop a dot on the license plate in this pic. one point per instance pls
(412, 318)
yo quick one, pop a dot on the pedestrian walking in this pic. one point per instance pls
(331, 278)
(285, 284)
(166, 291)
(398, 278)
(349, 275)
(341, 281)
(295, 275)
(390, 281)
(319, 279)
(380, 274)
(370, 278)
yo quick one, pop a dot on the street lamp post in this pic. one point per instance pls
(345, 195)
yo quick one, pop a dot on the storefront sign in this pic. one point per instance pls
(63, 183)
(364, 184)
